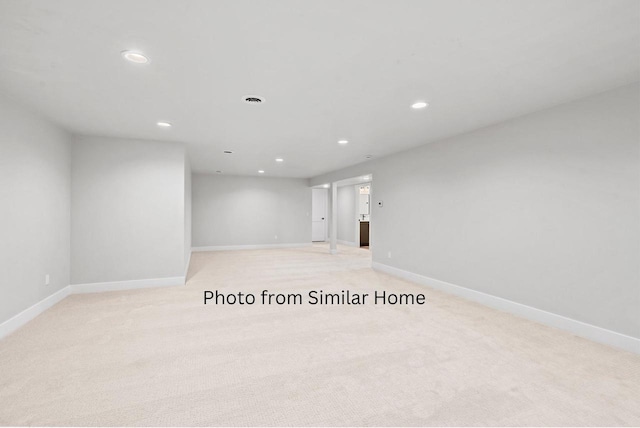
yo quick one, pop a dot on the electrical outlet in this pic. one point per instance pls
(389, 254)
(46, 279)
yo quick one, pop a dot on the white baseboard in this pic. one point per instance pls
(17, 321)
(99, 287)
(579, 328)
(349, 243)
(249, 247)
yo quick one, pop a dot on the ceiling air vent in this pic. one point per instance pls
(253, 99)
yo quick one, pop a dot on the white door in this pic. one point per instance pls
(319, 214)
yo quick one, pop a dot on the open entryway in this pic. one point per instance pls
(363, 196)
(341, 213)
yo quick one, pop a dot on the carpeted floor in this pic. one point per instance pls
(161, 357)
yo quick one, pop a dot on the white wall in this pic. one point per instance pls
(347, 214)
(234, 210)
(541, 210)
(187, 212)
(34, 209)
(128, 210)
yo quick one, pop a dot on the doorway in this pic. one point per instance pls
(354, 211)
(363, 198)
(319, 214)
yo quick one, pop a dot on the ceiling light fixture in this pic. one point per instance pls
(279, 160)
(419, 105)
(135, 57)
(260, 171)
(326, 186)
(343, 142)
(164, 124)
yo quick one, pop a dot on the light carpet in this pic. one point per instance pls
(158, 357)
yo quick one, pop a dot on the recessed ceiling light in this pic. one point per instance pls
(164, 124)
(260, 171)
(135, 57)
(368, 156)
(227, 152)
(279, 160)
(326, 186)
(419, 105)
(343, 142)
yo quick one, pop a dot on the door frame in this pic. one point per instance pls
(357, 209)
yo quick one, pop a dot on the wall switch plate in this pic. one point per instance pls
(46, 279)
(389, 254)
(276, 237)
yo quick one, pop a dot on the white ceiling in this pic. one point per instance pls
(331, 69)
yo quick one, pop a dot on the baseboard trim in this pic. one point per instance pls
(17, 321)
(99, 287)
(348, 243)
(249, 247)
(579, 328)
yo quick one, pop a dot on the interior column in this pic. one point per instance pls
(333, 238)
